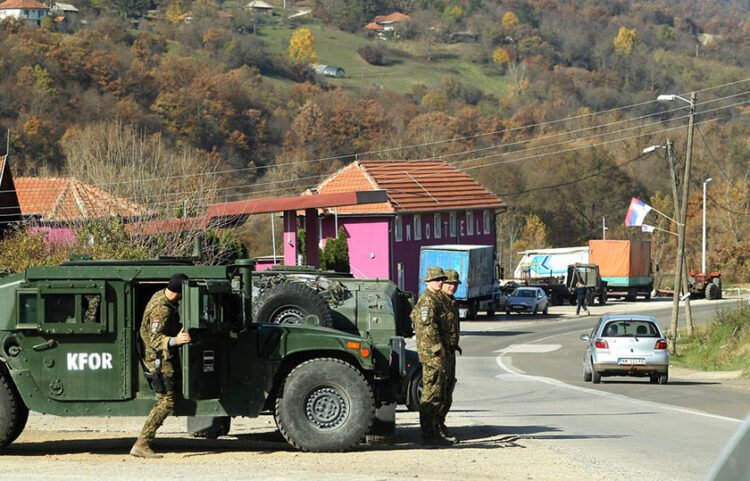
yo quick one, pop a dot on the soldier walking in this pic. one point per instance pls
(160, 332)
(432, 346)
(450, 284)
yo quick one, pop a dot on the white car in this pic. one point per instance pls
(527, 299)
(626, 345)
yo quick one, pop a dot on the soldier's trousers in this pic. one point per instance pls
(433, 382)
(449, 385)
(160, 411)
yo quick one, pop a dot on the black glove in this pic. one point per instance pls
(459, 350)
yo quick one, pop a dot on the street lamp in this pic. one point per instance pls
(681, 221)
(703, 257)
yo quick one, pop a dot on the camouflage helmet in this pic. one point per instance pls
(451, 276)
(434, 273)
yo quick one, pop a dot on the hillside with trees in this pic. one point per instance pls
(546, 104)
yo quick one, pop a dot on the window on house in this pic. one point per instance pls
(417, 227)
(437, 222)
(408, 232)
(486, 221)
(453, 224)
(399, 228)
(469, 222)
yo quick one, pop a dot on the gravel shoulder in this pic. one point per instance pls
(53, 447)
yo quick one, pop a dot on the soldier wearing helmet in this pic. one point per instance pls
(433, 344)
(450, 284)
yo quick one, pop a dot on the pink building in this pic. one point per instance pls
(428, 202)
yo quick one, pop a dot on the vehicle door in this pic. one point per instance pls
(72, 341)
(206, 314)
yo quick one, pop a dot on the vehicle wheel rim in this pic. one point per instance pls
(289, 315)
(326, 408)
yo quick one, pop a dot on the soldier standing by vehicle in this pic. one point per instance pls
(432, 346)
(450, 284)
(160, 332)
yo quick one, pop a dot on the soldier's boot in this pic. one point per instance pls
(141, 449)
(446, 435)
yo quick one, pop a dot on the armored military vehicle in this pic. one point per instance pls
(320, 355)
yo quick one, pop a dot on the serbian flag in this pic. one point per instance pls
(647, 228)
(636, 212)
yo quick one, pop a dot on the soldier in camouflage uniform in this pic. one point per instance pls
(432, 343)
(160, 332)
(450, 284)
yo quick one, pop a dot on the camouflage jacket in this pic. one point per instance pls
(452, 320)
(161, 321)
(428, 317)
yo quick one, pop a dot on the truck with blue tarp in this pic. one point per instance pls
(476, 267)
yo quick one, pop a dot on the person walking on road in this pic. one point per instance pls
(431, 331)
(160, 332)
(581, 296)
(450, 284)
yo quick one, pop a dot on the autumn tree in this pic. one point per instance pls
(626, 40)
(509, 19)
(302, 47)
(501, 56)
(533, 234)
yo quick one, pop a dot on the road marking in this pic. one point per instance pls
(557, 383)
(530, 348)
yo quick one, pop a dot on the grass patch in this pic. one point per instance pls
(407, 67)
(723, 345)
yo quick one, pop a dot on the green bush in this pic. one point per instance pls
(335, 255)
(721, 346)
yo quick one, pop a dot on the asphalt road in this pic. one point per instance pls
(522, 375)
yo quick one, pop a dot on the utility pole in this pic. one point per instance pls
(685, 284)
(604, 228)
(681, 222)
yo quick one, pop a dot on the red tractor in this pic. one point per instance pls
(705, 285)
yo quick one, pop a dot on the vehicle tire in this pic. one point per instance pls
(713, 291)
(507, 313)
(546, 310)
(653, 378)
(586, 374)
(603, 297)
(291, 303)
(717, 281)
(490, 312)
(664, 377)
(589, 298)
(13, 412)
(415, 392)
(325, 405)
(534, 311)
(596, 376)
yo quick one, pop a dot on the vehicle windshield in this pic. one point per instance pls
(523, 293)
(630, 328)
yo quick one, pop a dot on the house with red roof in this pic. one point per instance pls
(428, 202)
(386, 23)
(57, 202)
(29, 10)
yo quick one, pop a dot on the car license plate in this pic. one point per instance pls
(624, 361)
(517, 306)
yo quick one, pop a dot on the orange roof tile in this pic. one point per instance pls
(373, 26)
(394, 17)
(8, 4)
(412, 186)
(64, 198)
